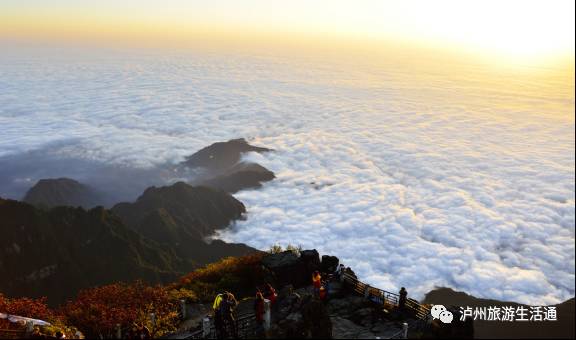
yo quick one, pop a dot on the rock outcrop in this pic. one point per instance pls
(316, 319)
(311, 260)
(329, 263)
(289, 268)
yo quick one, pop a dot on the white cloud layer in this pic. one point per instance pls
(412, 177)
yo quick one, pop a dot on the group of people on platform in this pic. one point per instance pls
(224, 321)
(321, 285)
(225, 303)
(224, 307)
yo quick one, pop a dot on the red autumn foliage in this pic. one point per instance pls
(5, 324)
(30, 308)
(98, 310)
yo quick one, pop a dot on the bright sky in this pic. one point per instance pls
(509, 27)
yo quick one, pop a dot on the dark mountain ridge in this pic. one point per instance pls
(198, 210)
(54, 192)
(219, 166)
(54, 247)
(181, 217)
(55, 253)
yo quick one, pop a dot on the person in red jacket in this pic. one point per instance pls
(259, 308)
(316, 283)
(271, 294)
(323, 293)
(259, 313)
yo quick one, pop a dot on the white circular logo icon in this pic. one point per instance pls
(441, 313)
(436, 310)
(446, 316)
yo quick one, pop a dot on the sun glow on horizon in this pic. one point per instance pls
(512, 29)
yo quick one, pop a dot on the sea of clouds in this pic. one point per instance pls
(415, 176)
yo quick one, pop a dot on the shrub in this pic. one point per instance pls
(295, 249)
(35, 309)
(239, 275)
(183, 294)
(26, 307)
(98, 310)
(276, 249)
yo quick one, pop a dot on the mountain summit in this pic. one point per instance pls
(222, 155)
(198, 210)
(54, 192)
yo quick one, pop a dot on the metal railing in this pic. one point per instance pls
(385, 298)
(245, 325)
